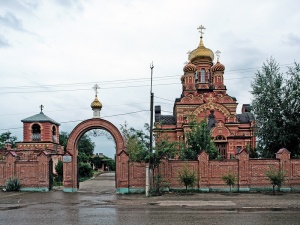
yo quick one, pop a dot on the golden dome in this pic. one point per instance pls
(189, 68)
(201, 52)
(96, 104)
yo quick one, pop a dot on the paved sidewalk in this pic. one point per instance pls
(101, 191)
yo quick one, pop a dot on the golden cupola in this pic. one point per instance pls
(201, 52)
(96, 105)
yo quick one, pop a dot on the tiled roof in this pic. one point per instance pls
(41, 117)
(166, 119)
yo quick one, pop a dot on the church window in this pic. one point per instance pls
(222, 149)
(202, 75)
(196, 77)
(238, 149)
(54, 138)
(36, 133)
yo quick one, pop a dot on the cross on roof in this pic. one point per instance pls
(201, 28)
(96, 87)
(218, 54)
(41, 107)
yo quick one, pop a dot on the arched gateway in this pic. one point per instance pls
(70, 158)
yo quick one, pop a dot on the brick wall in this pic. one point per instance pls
(250, 173)
(32, 173)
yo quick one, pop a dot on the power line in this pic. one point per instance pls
(72, 121)
(116, 82)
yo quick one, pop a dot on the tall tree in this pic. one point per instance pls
(6, 137)
(291, 112)
(276, 107)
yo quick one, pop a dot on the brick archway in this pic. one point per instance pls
(70, 158)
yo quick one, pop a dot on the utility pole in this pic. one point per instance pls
(151, 133)
(151, 109)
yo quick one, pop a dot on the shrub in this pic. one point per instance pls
(58, 178)
(229, 179)
(159, 184)
(187, 177)
(276, 177)
(85, 170)
(13, 184)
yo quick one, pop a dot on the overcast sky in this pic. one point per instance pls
(53, 51)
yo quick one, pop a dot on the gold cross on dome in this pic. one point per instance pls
(201, 28)
(96, 87)
(218, 54)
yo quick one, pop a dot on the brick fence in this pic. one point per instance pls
(33, 172)
(250, 173)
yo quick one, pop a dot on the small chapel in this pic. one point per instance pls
(204, 97)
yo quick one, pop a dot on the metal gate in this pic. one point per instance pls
(50, 174)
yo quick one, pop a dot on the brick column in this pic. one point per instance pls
(203, 171)
(243, 171)
(284, 157)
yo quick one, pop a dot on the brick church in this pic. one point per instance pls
(204, 97)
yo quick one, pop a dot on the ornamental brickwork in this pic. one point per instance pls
(204, 97)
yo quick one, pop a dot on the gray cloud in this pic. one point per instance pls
(22, 5)
(293, 40)
(11, 21)
(3, 42)
(70, 4)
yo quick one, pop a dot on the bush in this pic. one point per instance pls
(229, 179)
(13, 184)
(159, 184)
(187, 177)
(85, 170)
(276, 177)
(58, 178)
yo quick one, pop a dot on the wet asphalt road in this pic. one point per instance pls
(97, 203)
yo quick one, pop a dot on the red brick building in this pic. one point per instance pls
(34, 159)
(204, 97)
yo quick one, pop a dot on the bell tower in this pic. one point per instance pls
(40, 128)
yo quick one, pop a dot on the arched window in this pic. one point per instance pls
(196, 77)
(202, 75)
(36, 133)
(54, 138)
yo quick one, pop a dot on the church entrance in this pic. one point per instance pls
(70, 181)
(221, 147)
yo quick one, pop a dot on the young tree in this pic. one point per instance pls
(187, 177)
(229, 179)
(276, 105)
(276, 177)
(197, 139)
(6, 137)
(138, 142)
